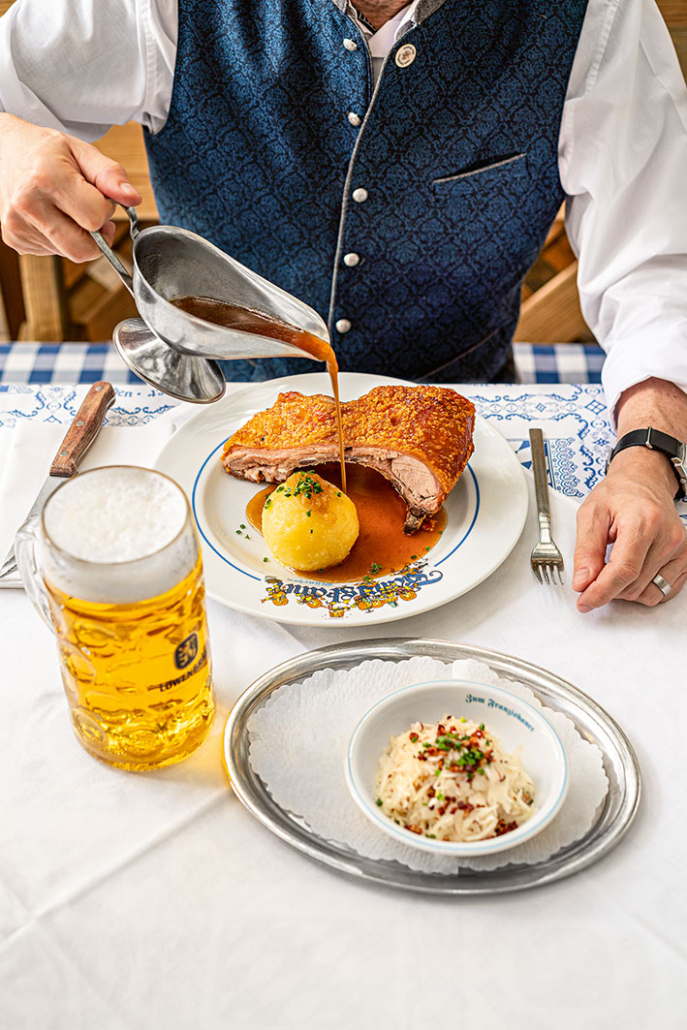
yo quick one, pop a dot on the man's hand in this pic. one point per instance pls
(54, 190)
(633, 509)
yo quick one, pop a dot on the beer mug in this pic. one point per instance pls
(113, 565)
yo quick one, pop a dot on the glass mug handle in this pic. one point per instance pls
(25, 547)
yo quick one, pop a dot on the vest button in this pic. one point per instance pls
(359, 195)
(354, 118)
(350, 44)
(351, 260)
(405, 55)
(343, 325)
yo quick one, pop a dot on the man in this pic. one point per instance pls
(397, 166)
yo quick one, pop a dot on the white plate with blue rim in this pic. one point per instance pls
(518, 726)
(486, 513)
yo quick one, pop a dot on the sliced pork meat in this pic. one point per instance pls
(417, 437)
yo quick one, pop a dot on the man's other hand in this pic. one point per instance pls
(633, 509)
(55, 190)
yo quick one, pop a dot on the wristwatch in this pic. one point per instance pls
(655, 440)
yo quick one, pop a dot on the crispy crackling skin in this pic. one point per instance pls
(418, 437)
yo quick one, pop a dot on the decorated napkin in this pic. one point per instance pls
(299, 740)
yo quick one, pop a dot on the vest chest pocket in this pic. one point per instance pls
(487, 204)
(501, 169)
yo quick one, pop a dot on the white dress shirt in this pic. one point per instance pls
(84, 65)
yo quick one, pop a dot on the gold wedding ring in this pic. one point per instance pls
(662, 585)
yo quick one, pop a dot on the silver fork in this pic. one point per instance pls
(546, 559)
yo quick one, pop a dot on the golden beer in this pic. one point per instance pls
(137, 675)
(135, 667)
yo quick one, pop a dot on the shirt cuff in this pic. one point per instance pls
(633, 361)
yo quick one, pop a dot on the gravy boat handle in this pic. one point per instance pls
(108, 252)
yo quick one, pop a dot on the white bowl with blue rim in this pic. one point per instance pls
(517, 725)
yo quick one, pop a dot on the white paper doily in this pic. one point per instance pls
(299, 739)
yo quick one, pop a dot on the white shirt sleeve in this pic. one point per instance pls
(83, 65)
(623, 164)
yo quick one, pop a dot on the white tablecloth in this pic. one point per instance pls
(155, 901)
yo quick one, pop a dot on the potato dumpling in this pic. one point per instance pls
(309, 524)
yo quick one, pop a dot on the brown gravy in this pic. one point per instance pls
(248, 321)
(381, 514)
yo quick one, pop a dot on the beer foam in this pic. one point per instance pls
(119, 536)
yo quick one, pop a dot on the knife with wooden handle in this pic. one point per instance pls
(80, 435)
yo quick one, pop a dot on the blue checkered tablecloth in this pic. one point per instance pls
(559, 363)
(87, 363)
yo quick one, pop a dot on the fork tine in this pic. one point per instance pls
(545, 571)
(536, 570)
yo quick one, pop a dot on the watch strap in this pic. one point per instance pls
(655, 440)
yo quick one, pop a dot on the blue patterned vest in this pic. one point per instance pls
(456, 160)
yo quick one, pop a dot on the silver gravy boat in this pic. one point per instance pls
(176, 352)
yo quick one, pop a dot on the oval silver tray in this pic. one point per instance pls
(592, 722)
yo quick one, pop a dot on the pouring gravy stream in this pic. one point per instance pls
(247, 321)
